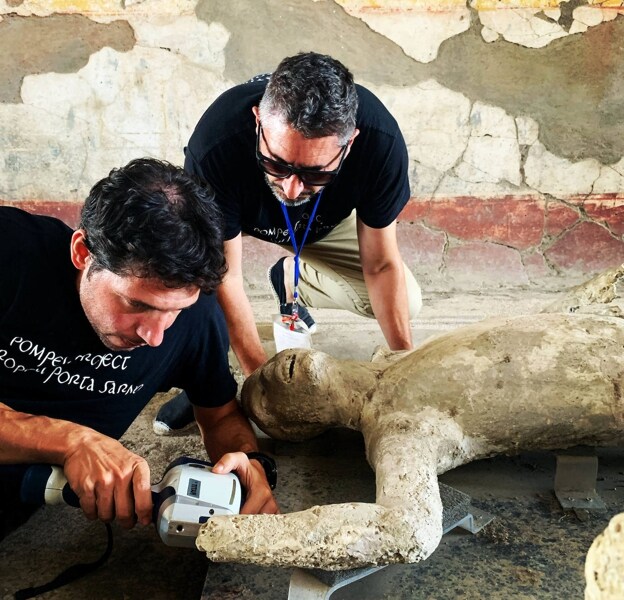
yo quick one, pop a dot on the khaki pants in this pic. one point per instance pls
(331, 274)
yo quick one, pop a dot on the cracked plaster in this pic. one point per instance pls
(493, 153)
(436, 134)
(536, 26)
(56, 50)
(464, 126)
(528, 130)
(611, 178)
(557, 176)
(418, 28)
(520, 26)
(155, 118)
(103, 11)
(452, 186)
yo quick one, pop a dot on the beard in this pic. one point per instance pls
(302, 198)
(126, 345)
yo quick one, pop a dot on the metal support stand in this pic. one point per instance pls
(317, 584)
(575, 482)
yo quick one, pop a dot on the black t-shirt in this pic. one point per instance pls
(373, 178)
(52, 362)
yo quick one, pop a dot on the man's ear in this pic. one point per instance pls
(80, 255)
(256, 112)
(350, 142)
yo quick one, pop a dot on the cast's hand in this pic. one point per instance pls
(110, 481)
(253, 479)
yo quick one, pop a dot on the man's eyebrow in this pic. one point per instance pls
(278, 158)
(145, 306)
(140, 303)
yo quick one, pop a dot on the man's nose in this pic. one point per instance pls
(152, 328)
(292, 187)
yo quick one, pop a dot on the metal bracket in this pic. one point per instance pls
(575, 482)
(474, 521)
(306, 585)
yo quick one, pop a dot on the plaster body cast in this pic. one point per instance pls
(498, 386)
(604, 567)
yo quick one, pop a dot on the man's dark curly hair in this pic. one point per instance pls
(150, 219)
(314, 94)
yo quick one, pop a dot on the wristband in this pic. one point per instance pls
(268, 464)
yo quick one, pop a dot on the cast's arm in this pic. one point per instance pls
(385, 281)
(244, 337)
(110, 481)
(227, 436)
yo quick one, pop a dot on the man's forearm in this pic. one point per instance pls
(388, 296)
(26, 438)
(110, 481)
(241, 325)
(232, 433)
(227, 433)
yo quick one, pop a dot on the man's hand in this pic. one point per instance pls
(110, 481)
(254, 481)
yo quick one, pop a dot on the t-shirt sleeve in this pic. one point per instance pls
(389, 190)
(205, 374)
(215, 168)
(221, 151)
(10, 263)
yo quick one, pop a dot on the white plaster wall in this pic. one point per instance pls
(72, 128)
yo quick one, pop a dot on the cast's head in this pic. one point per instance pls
(294, 395)
(150, 239)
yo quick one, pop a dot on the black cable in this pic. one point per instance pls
(71, 573)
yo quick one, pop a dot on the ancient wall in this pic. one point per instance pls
(512, 111)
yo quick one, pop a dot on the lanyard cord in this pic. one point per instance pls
(299, 248)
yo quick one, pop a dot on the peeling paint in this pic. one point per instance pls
(535, 28)
(118, 107)
(99, 10)
(574, 89)
(516, 153)
(63, 44)
(418, 27)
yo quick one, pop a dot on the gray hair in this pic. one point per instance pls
(314, 94)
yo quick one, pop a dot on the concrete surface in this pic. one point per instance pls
(532, 550)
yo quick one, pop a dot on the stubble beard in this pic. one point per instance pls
(301, 199)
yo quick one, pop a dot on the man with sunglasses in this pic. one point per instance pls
(306, 154)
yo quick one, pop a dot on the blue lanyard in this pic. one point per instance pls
(299, 248)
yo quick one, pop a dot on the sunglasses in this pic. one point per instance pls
(282, 170)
